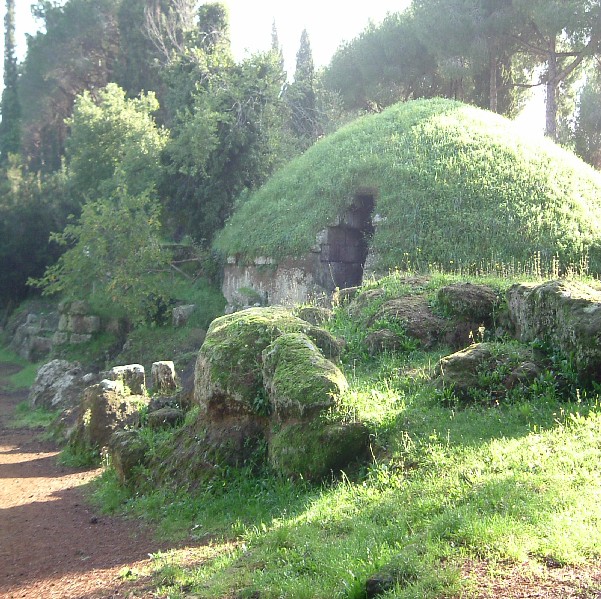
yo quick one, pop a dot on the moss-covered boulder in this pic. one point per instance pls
(315, 450)
(565, 315)
(468, 301)
(299, 380)
(105, 408)
(414, 315)
(166, 417)
(459, 372)
(229, 368)
(316, 315)
(489, 370)
(383, 340)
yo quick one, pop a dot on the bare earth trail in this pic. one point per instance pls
(52, 542)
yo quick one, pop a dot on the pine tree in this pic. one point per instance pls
(301, 96)
(10, 137)
(275, 44)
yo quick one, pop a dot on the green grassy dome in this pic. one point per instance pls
(453, 185)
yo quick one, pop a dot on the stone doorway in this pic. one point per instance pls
(346, 245)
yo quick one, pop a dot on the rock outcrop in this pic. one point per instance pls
(106, 407)
(488, 370)
(60, 384)
(300, 382)
(32, 338)
(565, 315)
(263, 376)
(131, 376)
(163, 377)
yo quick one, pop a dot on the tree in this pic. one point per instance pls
(383, 65)
(194, 47)
(136, 69)
(30, 208)
(114, 256)
(75, 53)
(559, 35)
(10, 131)
(113, 251)
(113, 141)
(227, 141)
(301, 98)
(587, 129)
(472, 48)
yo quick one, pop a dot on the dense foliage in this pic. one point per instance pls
(454, 185)
(229, 124)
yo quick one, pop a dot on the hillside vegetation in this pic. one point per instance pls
(456, 496)
(454, 185)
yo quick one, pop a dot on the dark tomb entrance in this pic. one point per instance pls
(344, 253)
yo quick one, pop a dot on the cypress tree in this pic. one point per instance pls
(10, 134)
(301, 95)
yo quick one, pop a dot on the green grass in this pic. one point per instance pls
(512, 481)
(504, 483)
(27, 417)
(22, 379)
(455, 186)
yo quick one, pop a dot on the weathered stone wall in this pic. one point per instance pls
(76, 324)
(32, 336)
(338, 259)
(266, 283)
(34, 333)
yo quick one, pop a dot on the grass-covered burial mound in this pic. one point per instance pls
(452, 184)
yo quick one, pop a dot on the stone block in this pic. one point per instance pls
(163, 377)
(181, 314)
(132, 377)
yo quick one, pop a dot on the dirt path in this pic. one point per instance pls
(52, 542)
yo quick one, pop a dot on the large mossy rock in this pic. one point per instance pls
(565, 315)
(459, 372)
(105, 408)
(229, 368)
(488, 369)
(414, 315)
(313, 451)
(469, 301)
(300, 382)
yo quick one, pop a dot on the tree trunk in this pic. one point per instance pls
(551, 101)
(494, 88)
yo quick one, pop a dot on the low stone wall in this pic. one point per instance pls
(36, 332)
(266, 283)
(76, 325)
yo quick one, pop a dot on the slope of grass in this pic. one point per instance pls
(454, 185)
(513, 481)
(24, 377)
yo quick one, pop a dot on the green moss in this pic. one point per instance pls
(313, 450)
(456, 186)
(234, 346)
(299, 380)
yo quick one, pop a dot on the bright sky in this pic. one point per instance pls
(328, 22)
